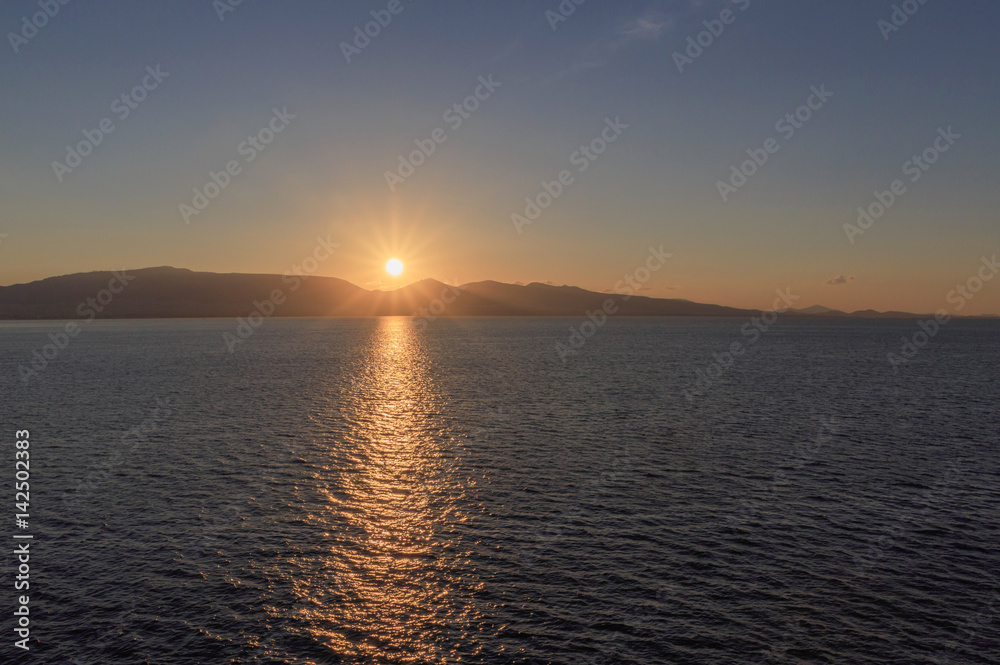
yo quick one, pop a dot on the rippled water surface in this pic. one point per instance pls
(363, 491)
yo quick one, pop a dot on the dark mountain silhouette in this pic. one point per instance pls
(819, 310)
(172, 292)
(546, 300)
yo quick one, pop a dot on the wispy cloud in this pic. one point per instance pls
(644, 28)
(839, 279)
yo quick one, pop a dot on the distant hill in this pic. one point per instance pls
(173, 292)
(818, 311)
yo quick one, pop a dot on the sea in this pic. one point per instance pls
(503, 490)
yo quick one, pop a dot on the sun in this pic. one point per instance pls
(394, 267)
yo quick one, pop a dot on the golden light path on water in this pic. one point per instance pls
(392, 562)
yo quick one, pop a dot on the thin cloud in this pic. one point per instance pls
(646, 28)
(643, 28)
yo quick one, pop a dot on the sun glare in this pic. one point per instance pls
(394, 267)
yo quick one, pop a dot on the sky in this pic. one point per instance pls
(332, 112)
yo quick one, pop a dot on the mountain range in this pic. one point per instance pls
(167, 292)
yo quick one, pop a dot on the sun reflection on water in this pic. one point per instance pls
(390, 562)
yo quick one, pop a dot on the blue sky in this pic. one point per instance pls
(451, 220)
